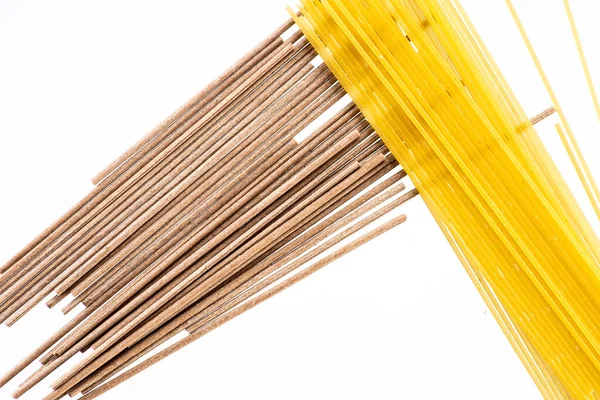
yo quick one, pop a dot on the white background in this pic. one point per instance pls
(80, 81)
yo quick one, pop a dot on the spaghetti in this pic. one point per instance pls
(424, 80)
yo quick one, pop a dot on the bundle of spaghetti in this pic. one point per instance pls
(202, 219)
(426, 83)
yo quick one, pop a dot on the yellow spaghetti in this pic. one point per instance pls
(584, 63)
(570, 143)
(422, 77)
